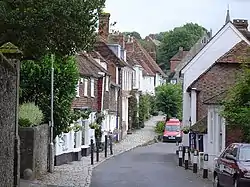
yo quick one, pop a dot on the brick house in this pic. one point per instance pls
(115, 64)
(206, 80)
(90, 89)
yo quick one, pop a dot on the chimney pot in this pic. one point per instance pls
(241, 24)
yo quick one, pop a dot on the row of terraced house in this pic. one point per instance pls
(108, 74)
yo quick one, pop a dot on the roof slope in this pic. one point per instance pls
(216, 99)
(101, 46)
(88, 66)
(149, 60)
(234, 55)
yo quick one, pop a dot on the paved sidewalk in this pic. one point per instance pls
(79, 173)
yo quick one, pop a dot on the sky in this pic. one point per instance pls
(154, 16)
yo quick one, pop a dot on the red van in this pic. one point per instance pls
(172, 131)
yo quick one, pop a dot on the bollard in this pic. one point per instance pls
(186, 158)
(97, 149)
(92, 151)
(110, 145)
(177, 151)
(106, 146)
(205, 166)
(195, 161)
(180, 155)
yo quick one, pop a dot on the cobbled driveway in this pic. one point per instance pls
(79, 173)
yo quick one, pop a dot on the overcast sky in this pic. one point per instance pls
(153, 16)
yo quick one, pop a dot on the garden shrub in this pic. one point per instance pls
(160, 126)
(29, 115)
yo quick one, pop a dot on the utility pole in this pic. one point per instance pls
(51, 124)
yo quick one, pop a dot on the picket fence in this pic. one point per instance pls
(74, 141)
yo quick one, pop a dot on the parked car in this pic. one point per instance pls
(172, 131)
(232, 167)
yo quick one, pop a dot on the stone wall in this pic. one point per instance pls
(34, 143)
(7, 120)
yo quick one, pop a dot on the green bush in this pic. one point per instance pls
(160, 126)
(29, 115)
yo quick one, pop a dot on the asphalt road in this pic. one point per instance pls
(151, 166)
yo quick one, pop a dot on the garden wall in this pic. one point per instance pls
(7, 120)
(34, 151)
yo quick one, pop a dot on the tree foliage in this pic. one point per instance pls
(185, 36)
(144, 108)
(60, 26)
(169, 99)
(237, 104)
(134, 34)
(35, 87)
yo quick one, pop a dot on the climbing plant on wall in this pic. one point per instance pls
(144, 106)
(133, 110)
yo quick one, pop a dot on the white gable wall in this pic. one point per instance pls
(228, 37)
(225, 40)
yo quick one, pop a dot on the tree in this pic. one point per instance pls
(60, 26)
(134, 34)
(35, 87)
(237, 104)
(185, 36)
(169, 99)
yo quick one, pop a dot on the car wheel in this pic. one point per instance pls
(216, 182)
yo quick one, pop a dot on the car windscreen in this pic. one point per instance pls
(244, 153)
(172, 128)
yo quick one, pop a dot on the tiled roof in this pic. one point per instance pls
(200, 126)
(139, 59)
(148, 59)
(216, 99)
(179, 55)
(101, 46)
(88, 66)
(234, 55)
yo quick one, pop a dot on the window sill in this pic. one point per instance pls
(77, 96)
(86, 96)
(92, 96)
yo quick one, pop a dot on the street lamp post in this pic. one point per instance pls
(51, 144)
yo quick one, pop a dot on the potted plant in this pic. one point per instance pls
(186, 130)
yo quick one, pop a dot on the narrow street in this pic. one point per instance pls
(149, 166)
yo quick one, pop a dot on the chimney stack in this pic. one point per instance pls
(104, 25)
(241, 24)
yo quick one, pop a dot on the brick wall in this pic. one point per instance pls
(218, 78)
(83, 101)
(173, 64)
(233, 135)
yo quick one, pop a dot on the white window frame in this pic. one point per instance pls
(107, 83)
(86, 87)
(92, 87)
(78, 89)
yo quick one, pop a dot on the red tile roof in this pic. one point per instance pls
(138, 58)
(148, 59)
(235, 54)
(179, 55)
